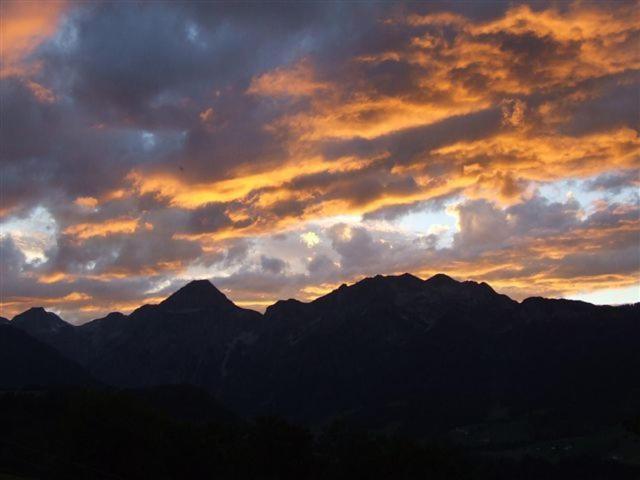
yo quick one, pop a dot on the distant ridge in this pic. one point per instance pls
(388, 350)
(38, 319)
(440, 279)
(27, 362)
(202, 294)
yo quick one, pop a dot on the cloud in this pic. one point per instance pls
(272, 265)
(13, 261)
(25, 25)
(86, 202)
(206, 115)
(322, 266)
(209, 218)
(310, 239)
(83, 231)
(513, 112)
(614, 182)
(297, 81)
(278, 148)
(357, 247)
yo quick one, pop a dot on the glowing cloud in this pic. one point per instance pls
(310, 239)
(283, 158)
(83, 231)
(24, 26)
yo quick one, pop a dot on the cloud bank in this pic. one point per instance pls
(281, 150)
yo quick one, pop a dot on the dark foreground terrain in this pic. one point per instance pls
(392, 377)
(181, 433)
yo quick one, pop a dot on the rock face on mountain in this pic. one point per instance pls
(27, 362)
(383, 348)
(386, 351)
(49, 328)
(37, 322)
(192, 337)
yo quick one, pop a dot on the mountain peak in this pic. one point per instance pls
(441, 280)
(197, 294)
(404, 279)
(375, 288)
(38, 319)
(35, 311)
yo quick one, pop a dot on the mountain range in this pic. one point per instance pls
(390, 352)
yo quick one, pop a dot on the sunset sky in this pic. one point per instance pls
(281, 149)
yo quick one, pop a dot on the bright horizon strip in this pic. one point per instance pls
(605, 297)
(610, 296)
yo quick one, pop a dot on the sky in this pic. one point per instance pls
(281, 149)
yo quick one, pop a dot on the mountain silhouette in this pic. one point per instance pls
(188, 338)
(50, 329)
(387, 351)
(198, 294)
(37, 321)
(26, 362)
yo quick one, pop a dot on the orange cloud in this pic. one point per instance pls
(297, 81)
(517, 157)
(86, 202)
(41, 93)
(83, 231)
(25, 24)
(370, 118)
(54, 277)
(206, 115)
(123, 307)
(82, 306)
(15, 305)
(518, 54)
(192, 195)
(547, 157)
(605, 37)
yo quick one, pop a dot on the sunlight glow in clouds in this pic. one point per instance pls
(310, 239)
(32, 235)
(283, 149)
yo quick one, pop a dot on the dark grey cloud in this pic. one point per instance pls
(145, 252)
(613, 104)
(615, 182)
(23, 115)
(125, 63)
(539, 217)
(321, 266)
(209, 218)
(410, 145)
(357, 247)
(13, 261)
(53, 150)
(482, 227)
(272, 264)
